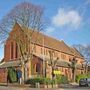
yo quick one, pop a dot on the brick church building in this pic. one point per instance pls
(46, 49)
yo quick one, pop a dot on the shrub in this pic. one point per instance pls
(78, 77)
(12, 76)
(47, 81)
(53, 81)
(61, 79)
(88, 74)
(33, 81)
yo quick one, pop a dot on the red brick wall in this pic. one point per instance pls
(7, 51)
(7, 48)
(3, 75)
(7, 56)
(34, 62)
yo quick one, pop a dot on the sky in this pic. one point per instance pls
(68, 20)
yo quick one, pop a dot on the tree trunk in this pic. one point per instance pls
(73, 75)
(29, 66)
(23, 74)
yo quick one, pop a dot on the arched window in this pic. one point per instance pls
(11, 50)
(38, 68)
(16, 53)
(41, 51)
(34, 48)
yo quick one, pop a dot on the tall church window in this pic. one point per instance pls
(11, 50)
(34, 48)
(38, 68)
(41, 51)
(16, 53)
(63, 56)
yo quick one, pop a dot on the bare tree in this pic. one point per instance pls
(53, 62)
(26, 14)
(73, 63)
(30, 18)
(84, 50)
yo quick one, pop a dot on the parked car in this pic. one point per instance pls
(84, 82)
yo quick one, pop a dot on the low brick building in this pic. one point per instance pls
(40, 64)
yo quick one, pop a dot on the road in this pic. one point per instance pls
(27, 88)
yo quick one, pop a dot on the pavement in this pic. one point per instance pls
(74, 83)
(15, 86)
(71, 85)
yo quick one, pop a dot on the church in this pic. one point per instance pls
(40, 54)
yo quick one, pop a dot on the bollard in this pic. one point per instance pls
(37, 85)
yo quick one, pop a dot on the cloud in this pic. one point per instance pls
(1, 57)
(50, 30)
(70, 18)
(87, 2)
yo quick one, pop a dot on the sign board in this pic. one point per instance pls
(57, 72)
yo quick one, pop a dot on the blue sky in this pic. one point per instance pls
(69, 20)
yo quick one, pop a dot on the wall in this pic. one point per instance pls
(3, 75)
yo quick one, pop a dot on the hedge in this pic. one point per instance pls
(12, 76)
(59, 79)
(33, 81)
(78, 77)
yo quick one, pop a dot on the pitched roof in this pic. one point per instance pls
(44, 40)
(51, 42)
(55, 44)
(76, 52)
(10, 64)
(59, 62)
